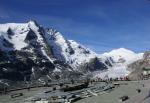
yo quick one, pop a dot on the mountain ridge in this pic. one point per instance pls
(31, 51)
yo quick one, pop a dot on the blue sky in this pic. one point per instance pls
(101, 25)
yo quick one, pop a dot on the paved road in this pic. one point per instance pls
(144, 96)
(130, 90)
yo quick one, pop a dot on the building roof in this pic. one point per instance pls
(146, 68)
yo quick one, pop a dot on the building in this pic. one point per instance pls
(146, 70)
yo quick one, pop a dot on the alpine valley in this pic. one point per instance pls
(30, 52)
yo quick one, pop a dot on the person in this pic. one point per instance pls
(28, 87)
(143, 85)
(5, 90)
(149, 94)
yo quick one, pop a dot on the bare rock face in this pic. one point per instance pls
(136, 68)
(95, 65)
(30, 36)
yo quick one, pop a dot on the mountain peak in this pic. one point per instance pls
(125, 54)
(122, 50)
(33, 24)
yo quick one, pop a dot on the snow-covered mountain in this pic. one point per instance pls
(120, 59)
(25, 54)
(32, 52)
(68, 51)
(123, 56)
(29, 51)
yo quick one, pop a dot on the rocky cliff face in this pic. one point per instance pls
(136, 68)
